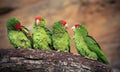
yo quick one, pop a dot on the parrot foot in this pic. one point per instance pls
(30, 48)
(87, 57)
(65, 51)
(18, 47)
(58, 50)
(90, 58)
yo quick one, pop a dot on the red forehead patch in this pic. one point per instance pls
(18, 26)
(63, 22)
(76, 25)
(38, 18)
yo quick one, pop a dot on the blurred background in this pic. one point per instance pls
(101, 17)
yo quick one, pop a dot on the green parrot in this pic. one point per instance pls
(18, 35)
(87, 46)
(41, 35)
(60, 37)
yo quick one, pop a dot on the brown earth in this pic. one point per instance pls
(101, 17)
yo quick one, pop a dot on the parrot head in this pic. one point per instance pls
(75, 27)
(39, 21)
(14, 24)
(81, 28)
(64, 23)
(60, 26)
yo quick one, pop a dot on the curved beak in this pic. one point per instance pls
(37, 22)
(66, 25)
(26, 31)
(73, 28)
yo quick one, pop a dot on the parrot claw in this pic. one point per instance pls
(18, 47)
(87, 57)
(65, 51)
(90, 58)
(58, 50)
(29, 48)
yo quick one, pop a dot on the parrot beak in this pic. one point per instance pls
(66, 26)
(73, 28)
(37, 22)
(26, 31)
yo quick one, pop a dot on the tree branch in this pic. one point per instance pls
(29, 60)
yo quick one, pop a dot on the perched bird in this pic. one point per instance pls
(41, 35)
(18, 34)
(87, 46)
(60, 37)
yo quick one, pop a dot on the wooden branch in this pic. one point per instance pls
(29, 60)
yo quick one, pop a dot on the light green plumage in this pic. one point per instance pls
(87, 46)
(41, 37)
(17, 38)
(60, 37)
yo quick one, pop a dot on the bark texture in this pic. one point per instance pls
(30, 60)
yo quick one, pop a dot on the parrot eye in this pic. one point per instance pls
(63, 22)
(76, 25)
(18, 26)
(38, 18)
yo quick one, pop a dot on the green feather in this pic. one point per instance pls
(42, 36)
(87, 46)
(81, 46)
(60, 37)
(11, 22)
(17, 38)
(41, 39)
(93, 46)
(41, 23)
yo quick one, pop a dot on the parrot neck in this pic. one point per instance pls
(81, 33)
(59, 30)
(42, 23)
(10, 29)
